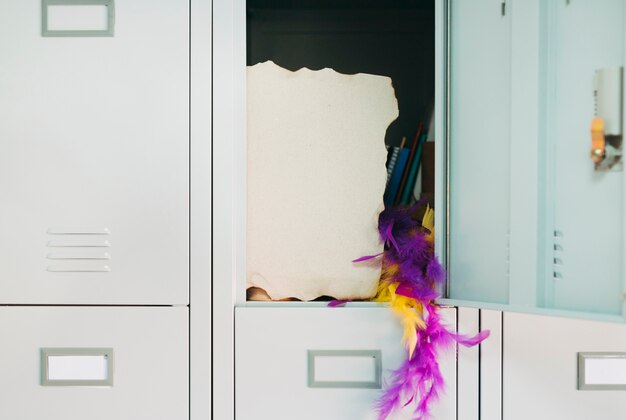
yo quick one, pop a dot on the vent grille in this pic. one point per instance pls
(78, 250)
(557, 255)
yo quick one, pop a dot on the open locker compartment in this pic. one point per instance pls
(393, 40)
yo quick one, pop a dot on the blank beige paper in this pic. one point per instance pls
(316, 178)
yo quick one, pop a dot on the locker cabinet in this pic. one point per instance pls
(94, 220)
(525, 220)
(267, 343)
(94, 157)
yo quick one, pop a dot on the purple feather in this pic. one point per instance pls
(417, 293)
(367, 257)
(472, 341)
(418, 382)
(338, 303)
(419, 379)
(435, 272)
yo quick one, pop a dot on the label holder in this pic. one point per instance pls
(108, 32)
(106, 353)
(375, 354)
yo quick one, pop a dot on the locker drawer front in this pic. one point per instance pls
(147, 355)
(94, 158)
(276, 380)
(540, 364)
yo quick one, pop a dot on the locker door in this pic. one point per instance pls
(587, 204)
(94, 151)
(480, 150)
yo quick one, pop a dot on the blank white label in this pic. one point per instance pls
(77, 17)
(605, 371)
(345, 369)
(77, 368)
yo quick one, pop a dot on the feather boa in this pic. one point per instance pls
(410, 281)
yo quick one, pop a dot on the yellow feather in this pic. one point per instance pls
(408, 309)
(383, 294)
(410, 312)
(386, 278)
(428, 221)
(390, 270)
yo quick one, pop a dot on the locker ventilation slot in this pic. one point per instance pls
(78, 250)
(557, 255)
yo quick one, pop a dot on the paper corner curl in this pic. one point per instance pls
(315, 180)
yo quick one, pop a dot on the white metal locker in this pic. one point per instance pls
(266, 377)
(94, 158)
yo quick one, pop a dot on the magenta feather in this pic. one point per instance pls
(367, 257)
(338, 303)
(417, 293)
(408, 246)
(472, 341)
(419, 378)
(435, 271)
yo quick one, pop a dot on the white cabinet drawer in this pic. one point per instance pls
(94, 158)
(148, 349)
(272, 371)
(541, 365)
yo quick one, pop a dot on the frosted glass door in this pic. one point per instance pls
(94, 152)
